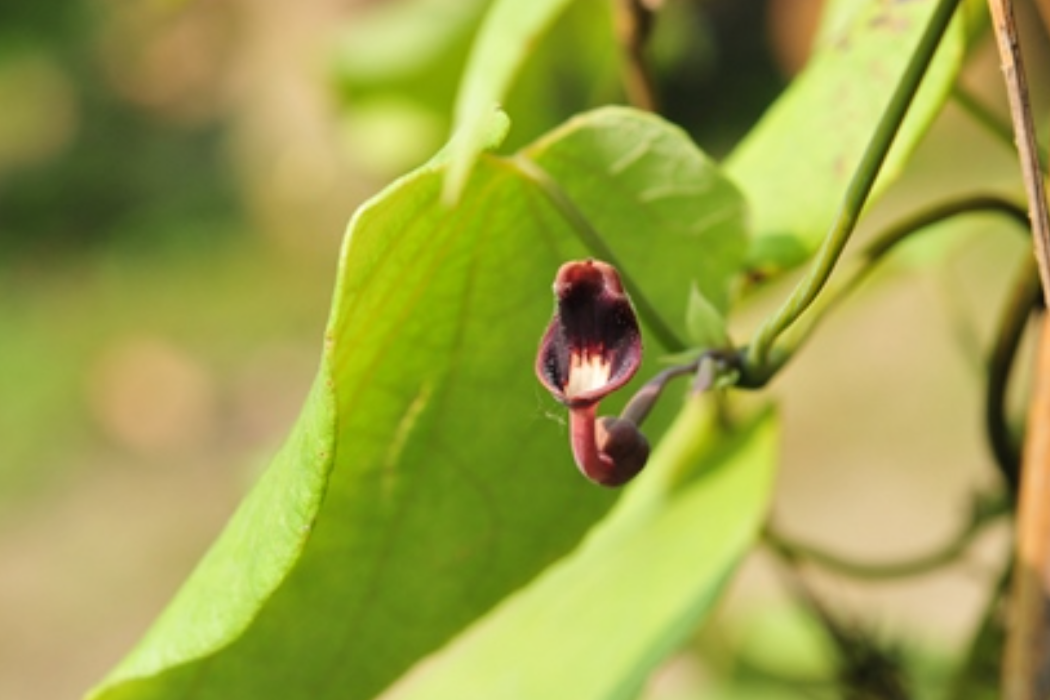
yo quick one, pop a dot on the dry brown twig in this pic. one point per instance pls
(634, 24)
(1026, 663)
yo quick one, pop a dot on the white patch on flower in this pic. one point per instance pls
(587, 372)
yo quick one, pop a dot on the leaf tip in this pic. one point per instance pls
(476, 133)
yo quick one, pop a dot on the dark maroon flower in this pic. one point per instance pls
(592, 347)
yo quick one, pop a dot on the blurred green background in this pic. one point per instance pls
(175, 177)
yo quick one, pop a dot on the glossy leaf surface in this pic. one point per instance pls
(594, 626)
(426, 480)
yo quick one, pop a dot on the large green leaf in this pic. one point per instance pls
(594, 626)
(794, 166)
(652, 199)
(425, 479)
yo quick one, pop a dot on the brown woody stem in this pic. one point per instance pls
(634, 23)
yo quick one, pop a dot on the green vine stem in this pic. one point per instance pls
(978, 676)
(756, 370)
(1024, 298)
(984, 511)
(992, 122)
(864, 668)
(594, 242)
(872, 255)
(980, 113)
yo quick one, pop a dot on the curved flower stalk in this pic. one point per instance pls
(592, 347)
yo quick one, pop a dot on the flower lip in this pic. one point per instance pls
(593, 345)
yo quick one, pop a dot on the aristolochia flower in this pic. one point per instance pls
(592, 347)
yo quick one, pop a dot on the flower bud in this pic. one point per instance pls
(626, 447)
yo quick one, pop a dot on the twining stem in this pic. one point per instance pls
(1000, 128)
(869, 259)
(1024, 297)
(594, 242)
(982, 115)
(977, 676)
(756, 370)
(989, 204)
(983, 512)
(864, 670)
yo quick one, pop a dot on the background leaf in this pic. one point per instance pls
(397, 67)
(507, 33)
(427, 478)
(794, 166)
(595, 626)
